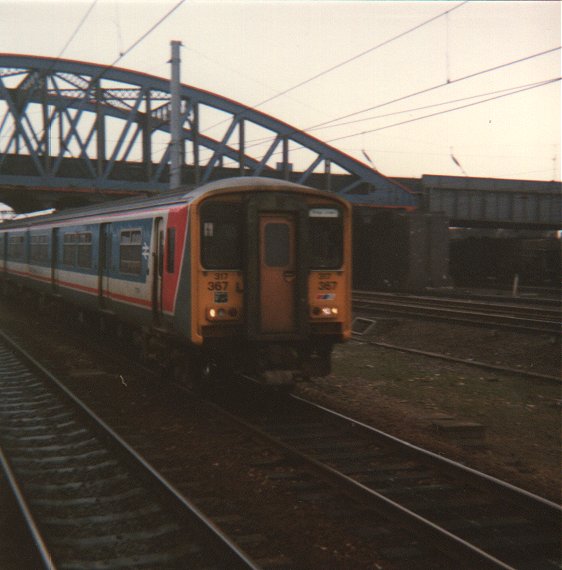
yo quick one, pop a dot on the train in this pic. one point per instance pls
(245, 276)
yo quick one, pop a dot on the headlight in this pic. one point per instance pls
(222, 313)
(324, 312)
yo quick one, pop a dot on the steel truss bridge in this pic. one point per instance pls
(74, 132)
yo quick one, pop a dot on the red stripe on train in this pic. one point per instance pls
(84, 289)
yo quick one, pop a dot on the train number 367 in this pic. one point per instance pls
(217, 285)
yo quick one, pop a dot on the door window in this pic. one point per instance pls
(277, 244)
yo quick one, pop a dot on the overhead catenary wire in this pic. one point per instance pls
(361, 54)
(448, 82)
(349, 60)
(430, 106)
(61, 52)
(141, 38)
(514, 91)
(328, 125)
(438, 86)
(108, 67)
(122, 54)
(118, 27)
(77, 29)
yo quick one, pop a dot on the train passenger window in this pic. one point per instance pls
(16, 247)
(130, 252)
(69, 247)
(170, 250)
(326, 239)
(277, 244)
(220, 236)
(39, 248)
(85, 249)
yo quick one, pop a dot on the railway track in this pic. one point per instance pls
(262, 537)
(90, 500)
(473, 518)
(524, 317)
(535, 296)
(485, 365)
(473, 525)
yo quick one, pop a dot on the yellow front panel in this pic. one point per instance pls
(221, 297)
(328, 296)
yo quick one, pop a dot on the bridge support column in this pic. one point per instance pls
(428, 250)
(400, 251)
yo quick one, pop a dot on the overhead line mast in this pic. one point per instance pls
(175, 124)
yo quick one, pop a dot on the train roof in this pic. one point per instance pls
(184, 195)
(255, 183)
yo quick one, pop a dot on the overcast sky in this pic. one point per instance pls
(252, 51)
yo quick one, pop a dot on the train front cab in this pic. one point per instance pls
(273, 285)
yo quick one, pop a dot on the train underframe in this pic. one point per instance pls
(274, 364)
(277, 365)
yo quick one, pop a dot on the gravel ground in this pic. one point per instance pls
(408, 394)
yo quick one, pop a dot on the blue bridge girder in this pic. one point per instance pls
(96, 131)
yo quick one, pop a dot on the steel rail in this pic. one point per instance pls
(501, 309)
(429, 304)
(442, 539)
(524, 498)
(476, 363)
(506, 305)
(458, 316)
(525, 296)
(37, 536)
(238, 557)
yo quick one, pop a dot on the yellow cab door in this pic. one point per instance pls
(277, 273)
